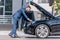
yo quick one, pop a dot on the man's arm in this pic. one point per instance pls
(32, 15)
(25, 15)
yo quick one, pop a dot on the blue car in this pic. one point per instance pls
(43, 28)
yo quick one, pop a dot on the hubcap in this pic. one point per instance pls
(42, 31)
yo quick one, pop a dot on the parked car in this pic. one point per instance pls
(43, 28)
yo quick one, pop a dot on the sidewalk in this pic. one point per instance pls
(5, 30)
(4, 35)
(27, 37)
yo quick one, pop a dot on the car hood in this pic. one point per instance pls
(45, 12)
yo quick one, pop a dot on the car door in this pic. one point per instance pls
(57, 28)
(55, 25)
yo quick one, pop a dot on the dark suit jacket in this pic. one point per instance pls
(30, 15)
(20, 13)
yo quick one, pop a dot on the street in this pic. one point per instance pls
(6, 37)
(22, 36)
(5, 29)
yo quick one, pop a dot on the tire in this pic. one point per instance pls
(42, 31)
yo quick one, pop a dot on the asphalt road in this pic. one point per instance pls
(4, 28)
(6, 37)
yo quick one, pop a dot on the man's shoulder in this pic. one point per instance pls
(22, 9)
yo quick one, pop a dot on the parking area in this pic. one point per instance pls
(5, 29)
(6, 37)
(22, 36)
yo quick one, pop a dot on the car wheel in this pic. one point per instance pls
(42, 31)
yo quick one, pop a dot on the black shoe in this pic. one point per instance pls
(14, 36)
(9, 34)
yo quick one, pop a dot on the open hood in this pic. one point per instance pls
(42, 10)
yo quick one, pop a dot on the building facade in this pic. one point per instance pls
(5, 11)
(9, 7)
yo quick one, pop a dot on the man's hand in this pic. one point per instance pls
(29, 20)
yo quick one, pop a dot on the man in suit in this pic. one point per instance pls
(16, 17)
(30, 15)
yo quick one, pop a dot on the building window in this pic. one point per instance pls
(1, 11)
(42, 1)
(1, 2)
(6, 10)
(8, 13)
(8, 7)
(28, 0)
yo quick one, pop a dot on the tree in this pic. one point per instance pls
(56, 5)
